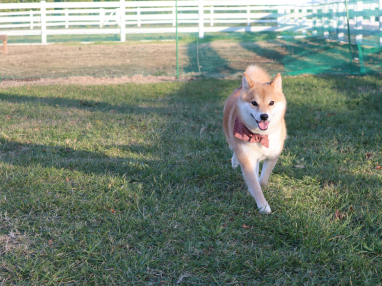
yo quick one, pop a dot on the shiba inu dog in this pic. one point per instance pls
(255, 130)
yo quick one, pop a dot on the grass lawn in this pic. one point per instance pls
(132, 184)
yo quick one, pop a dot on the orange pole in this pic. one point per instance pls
(5, 46)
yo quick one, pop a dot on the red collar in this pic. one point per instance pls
(241, 131)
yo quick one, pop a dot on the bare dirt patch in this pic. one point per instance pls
(88, 80)
(95, 60)
(115, 61)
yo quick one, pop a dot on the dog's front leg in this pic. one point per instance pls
(251, 178)
(268, 166)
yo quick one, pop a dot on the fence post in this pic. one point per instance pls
(173, 16)
(248, 16)
(122, 20)
(66, 19)
(314, 19)
(118, 16)
(101, 17)
(280, 20)
(296, 13)
(303, 11)
(325, 21)
(297, 18)
(341, 22)
(201, 19)
(212, 16)
(358, 37)
(380, 22)
(31, 16)
(294, 19)
(335, 19)
(372, 18)
(287, 17)
(139, 16)
(330, 20)
(43, 22)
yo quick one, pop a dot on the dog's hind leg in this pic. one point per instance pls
(268, 166)
(234, 161)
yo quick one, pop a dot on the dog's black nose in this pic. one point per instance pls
(264, 116)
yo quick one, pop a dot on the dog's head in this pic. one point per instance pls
(261, 105)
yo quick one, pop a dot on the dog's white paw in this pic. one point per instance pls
(234, 161)
(265, 209)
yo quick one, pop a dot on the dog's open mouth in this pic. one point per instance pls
(263, 125)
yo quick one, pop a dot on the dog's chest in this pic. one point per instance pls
(259, 152)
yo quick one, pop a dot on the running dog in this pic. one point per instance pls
(255, 129)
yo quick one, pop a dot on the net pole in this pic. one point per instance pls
(176, 28)
(362, 66)
(347, 18)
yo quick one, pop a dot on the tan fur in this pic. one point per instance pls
(257, 74)
(256, 87)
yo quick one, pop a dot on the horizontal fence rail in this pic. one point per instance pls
(135, 17)
(142, 17)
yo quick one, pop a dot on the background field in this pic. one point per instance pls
(215, 56)
(218, 56)
(131, 184)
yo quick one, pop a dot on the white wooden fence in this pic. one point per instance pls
(138, 17)
(367, 22)
(200, 16)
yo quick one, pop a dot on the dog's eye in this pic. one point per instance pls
(254, 103)
(271, 103)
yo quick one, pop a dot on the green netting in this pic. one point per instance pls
(296, 48)
(330, 50)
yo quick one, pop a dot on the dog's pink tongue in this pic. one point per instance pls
(263, 125)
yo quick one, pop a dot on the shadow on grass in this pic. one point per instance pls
(61, 157)
(269, 52)
(80, 104)
(220, 56)
(204, 60)
(184, 108)
(99, 162)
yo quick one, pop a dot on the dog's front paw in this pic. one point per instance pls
(234, 161)
(265, 209)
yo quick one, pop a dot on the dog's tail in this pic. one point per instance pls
(257, 74)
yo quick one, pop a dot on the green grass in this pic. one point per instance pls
(132, 184)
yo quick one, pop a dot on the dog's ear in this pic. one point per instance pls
(277, 83)
(246, 83)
